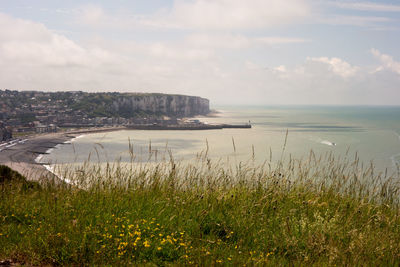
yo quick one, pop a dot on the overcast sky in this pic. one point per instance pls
(230, 51)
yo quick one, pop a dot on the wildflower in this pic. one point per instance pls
(159, 248)
(146, 244)
(219, 261)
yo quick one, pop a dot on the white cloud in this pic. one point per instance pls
(387, 62)
(362, 21)
(337, 66)
(206, 15)
(34, 57)
(237, 41)
(367, 6)
(29, 43)
(320, 81)
(280, 68)
(93, 15)
(172, 52)
(238, 14)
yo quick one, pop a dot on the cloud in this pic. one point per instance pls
(238, 14)
(238, 41)
(162, 50)
(29, 43)
(387, 61)
(337, 66)
(318, 81)
(280, 68)
(93, 15)
(217, 16)
(34, 57)
(206, 15)
(361, 21)
(367, 6)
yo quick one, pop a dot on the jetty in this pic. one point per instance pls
(191, 127)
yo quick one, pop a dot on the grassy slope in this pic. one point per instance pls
(175, 214)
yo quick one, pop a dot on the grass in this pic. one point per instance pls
(319, 211)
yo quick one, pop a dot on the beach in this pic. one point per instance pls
(22, 155)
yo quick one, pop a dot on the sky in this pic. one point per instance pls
(253, 52)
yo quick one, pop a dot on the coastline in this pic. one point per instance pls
(24, 157)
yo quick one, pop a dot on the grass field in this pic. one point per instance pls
(318, 211)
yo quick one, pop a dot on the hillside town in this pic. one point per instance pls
(40, 112)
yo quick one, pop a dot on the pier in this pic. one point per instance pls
(192, 127)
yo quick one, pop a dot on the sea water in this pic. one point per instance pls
(372, 133)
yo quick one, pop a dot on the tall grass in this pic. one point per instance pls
(319, 210)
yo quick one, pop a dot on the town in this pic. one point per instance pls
(28, 112)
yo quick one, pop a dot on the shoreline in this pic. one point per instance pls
(24, 157)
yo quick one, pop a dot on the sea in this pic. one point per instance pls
(371, 133)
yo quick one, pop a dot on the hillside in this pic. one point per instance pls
(315, 213)
(20, 109)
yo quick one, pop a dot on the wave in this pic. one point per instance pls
(329, 143)
(77, 137)
(39, 158)
(396, 158)
(51, 168)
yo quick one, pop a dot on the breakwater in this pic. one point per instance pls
(188, 127)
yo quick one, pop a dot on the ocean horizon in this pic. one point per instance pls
(371, 133)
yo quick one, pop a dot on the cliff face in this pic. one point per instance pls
(171, 105)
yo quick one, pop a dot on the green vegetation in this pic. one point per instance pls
(97, 105)
(320, 211)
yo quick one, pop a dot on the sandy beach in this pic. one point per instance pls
(21, 156)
